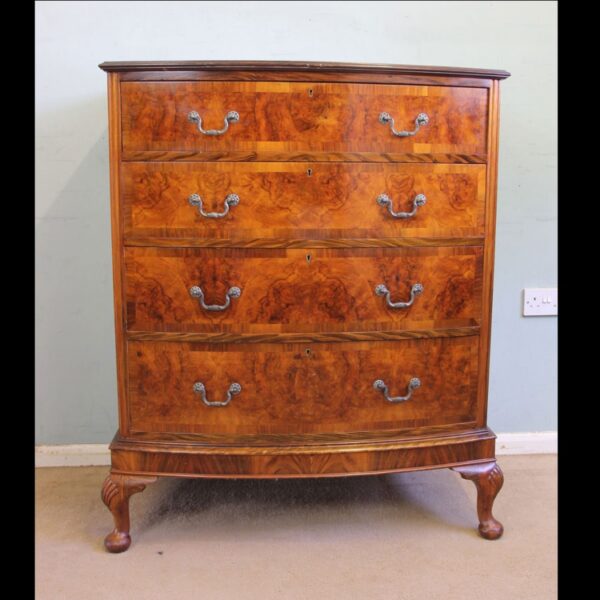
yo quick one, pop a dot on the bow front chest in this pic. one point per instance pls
(303, 260)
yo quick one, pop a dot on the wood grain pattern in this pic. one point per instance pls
(303, 443)
(453, 328)
(397, 242)
(196, 462)
(301, 201)
(299, 466)
(302, 117)
(299, 291)
(297, 388)
(293, 156)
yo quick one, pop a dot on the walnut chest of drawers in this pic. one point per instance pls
(303, 262)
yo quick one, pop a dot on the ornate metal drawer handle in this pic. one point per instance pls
(385, 200)
(422, 119)
(230, 200)
(413, 384)
(231, 117)
(416, 290)
(232, 292)
(234, 388)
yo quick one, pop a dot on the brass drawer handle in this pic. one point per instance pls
(234, 388)
(230, 200)
(416, 290)
(385, 200)
(232, 292)
(422, 119)
(413, 384)
(231, 117)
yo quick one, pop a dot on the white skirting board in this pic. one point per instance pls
(86, 455)
(541, 442)
(72, 455)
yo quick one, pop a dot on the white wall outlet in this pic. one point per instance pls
(540, 302)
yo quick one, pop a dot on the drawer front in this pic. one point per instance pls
(300, 201)
(293, 388)
(301, 290)
(301, 117)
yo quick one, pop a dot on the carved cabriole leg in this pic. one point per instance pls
(488, 480)
(116, 492)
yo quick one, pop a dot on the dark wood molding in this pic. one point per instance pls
(320, 67)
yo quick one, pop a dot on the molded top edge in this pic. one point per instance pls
(332, 67)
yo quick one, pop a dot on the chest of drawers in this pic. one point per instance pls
(303, 263)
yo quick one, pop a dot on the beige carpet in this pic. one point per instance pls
(410, 536)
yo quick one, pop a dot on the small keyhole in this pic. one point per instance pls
(309, 172)
(308, 352)
(310, 92)
(308, 258)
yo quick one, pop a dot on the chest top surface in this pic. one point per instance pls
(264, 65)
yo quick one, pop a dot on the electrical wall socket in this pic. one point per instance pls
(540, 302)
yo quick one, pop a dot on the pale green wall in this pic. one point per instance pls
(75, 360)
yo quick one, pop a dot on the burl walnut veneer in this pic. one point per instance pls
(303, 263)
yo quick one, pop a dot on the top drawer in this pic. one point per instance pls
(318, 118)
